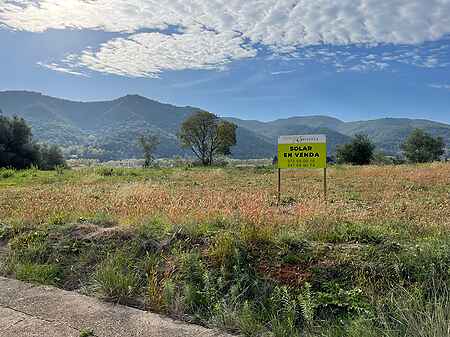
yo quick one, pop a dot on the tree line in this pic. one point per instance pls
(419, 147)
(206, 135)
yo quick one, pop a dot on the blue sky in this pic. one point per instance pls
(258, 59)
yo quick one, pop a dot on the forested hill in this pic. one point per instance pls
(109, 129)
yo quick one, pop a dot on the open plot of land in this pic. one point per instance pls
(211, 246)
(415, 197)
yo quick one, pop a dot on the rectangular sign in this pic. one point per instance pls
(303, 151)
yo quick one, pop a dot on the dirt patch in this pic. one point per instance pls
(292, 275)
(95, 233)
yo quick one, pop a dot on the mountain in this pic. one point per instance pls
(389, 133)
(109, 129)
(296, 126)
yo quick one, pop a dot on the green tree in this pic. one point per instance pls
(207, 136)
(359, 151)
(18, 150)
(420, 147)
(51, 156)
(149, 143)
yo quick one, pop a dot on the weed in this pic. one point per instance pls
(6, 173)
(31, 247)
(105, 171)
(4, 231)
(152, 266)
(85, 332)
(116, 280)
(57, 219)
(410, 313)
(103, 219)
(39, 273)
(59, 169)
(216, 250)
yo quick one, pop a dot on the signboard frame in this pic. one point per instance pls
(302, 152)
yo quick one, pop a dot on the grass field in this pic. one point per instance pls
(210, 245)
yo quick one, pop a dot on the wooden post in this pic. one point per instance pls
(279, 187)
(325, 184)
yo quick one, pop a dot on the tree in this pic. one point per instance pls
(358, 152)
(18, 150)
(207, 136)
(420, 147)
(149, 143)
(51, 157)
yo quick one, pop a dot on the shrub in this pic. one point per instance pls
(51, 157)
(358, 152)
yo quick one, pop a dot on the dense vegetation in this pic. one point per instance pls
(360, 151)
(210, 246)
(420, 147)
(110, 130)
(19, 151)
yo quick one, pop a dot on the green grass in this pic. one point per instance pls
(116, 280)
(325, 275)
(288, 285)
(87, 332)
(38, 273)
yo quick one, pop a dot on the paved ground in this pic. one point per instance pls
(36, 311)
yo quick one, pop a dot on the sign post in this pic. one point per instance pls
(302, 152)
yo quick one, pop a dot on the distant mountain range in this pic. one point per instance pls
(109, 130)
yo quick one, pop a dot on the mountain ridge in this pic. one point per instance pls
(108, 129)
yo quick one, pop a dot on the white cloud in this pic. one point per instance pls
(56, 67)
(215, 32)
(282, 72)
(439, 86)
(148, 54)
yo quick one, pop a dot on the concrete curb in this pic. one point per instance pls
(35, 311)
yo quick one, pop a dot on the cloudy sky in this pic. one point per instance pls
(254, 59)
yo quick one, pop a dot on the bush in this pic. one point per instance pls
(358, 152)
(51, 157)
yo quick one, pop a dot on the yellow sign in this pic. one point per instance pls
(307, 151)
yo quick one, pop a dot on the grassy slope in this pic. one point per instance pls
(210, 245)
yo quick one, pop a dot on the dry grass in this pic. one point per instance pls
(417, 197)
